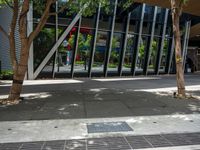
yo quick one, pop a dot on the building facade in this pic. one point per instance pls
(118, 42)
(5, 15)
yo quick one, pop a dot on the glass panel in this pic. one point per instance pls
(136, 13)
(158, 29)
(153, 55)
(173, 64)
(65, 54)
(160, 15)
(134, 20)
(133, 26)
(83, 53)
(37, 13)
(100, 52)
(128, 58)
(65, 17)
(43, 44)
(120, 22)
(48, 69)
(164, 55)
(88, 22)
(168, 31)
(106, 17)
(115, 52)
(141, 54)
(148, 13)
(146, 27)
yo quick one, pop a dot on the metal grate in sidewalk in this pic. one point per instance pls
(108, 127)
(110, 143)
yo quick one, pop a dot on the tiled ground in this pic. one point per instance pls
(110, 143)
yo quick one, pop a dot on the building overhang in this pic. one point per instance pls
(191, 7)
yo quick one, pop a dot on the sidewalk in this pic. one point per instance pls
(71, 110)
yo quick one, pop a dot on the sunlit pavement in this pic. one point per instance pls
(59, 113)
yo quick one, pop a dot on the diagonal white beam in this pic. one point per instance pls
(57, 44)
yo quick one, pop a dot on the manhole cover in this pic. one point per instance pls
(108, 127)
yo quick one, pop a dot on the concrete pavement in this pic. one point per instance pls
(62, 109)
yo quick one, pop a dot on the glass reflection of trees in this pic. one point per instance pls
(115, 51)
(129, 52)
(83, 52)
(42, 44)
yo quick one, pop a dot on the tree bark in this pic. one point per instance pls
(17, 83)
(19, 73)
(21, 67)
(176, 12)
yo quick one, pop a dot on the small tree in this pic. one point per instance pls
(19, 16)
(177, 7)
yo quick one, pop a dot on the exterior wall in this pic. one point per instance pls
(5, 19)
(138, 41)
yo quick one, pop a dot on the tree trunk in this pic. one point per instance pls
(176, 11)
(20, 16)
(17, 83)
(18, 76)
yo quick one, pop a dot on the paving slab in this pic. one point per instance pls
(63, 129)
(60, 110)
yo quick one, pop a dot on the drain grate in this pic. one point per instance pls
(108, 127)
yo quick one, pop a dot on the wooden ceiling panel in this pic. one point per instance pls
(192, 6)
(195, 30)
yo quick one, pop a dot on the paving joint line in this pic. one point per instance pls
(128, 143)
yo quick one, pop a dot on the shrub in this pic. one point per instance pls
(6, 75)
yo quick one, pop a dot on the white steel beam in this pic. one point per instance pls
(57, 44)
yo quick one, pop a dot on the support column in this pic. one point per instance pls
(110, 40)
(94, 42)
(186, 40)
(172, 54)
(56, 53)
(123, 51)
(135, 55)
(148, 53)
(76, 48)
(58, 43)
(169, 56)
(160, 50)
(30, 71)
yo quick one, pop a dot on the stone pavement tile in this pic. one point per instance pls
(61, 110)
(157, 141)
(137, 142)
(15, 115)
(111, 143)
(54, 145)
(141, 102)
(193, 138)
(152, 111)
(10, 146)
(75, 145)
(32, 146)
(177, 139)
(106, 109)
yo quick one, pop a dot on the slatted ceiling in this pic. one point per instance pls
(195, 30)
(192, 6)
(5, 19)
